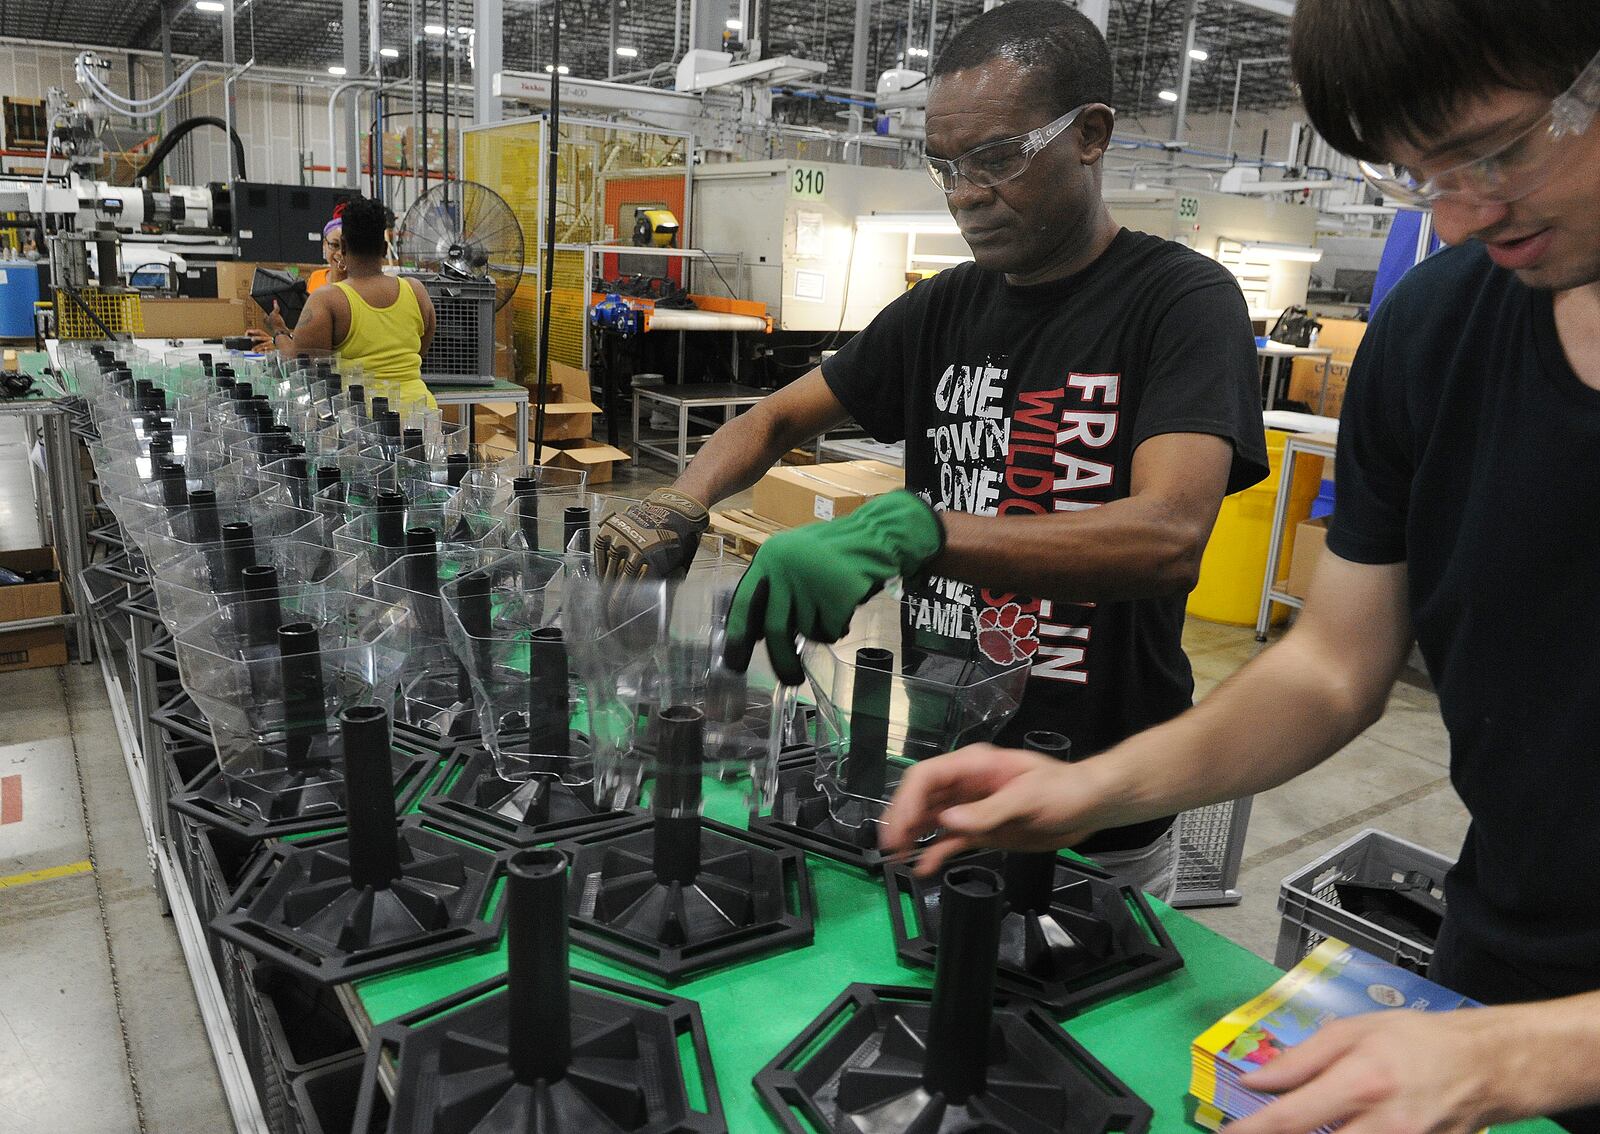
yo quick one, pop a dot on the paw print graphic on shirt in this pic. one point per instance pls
(1006, 635)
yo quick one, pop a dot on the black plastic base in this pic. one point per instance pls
(261, 814)
(180, 718)
(1098, 939)
(305, 1023)
(801, 817)
(469, 794)
(298, 908)
(452, 1077)
(751, 896)
(325, 1100)
(865, 1075)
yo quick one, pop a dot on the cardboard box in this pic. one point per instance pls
(1310, 544)
(33, 649)
(192, 318)
(793, 496)
(594, 457)
(30, 600)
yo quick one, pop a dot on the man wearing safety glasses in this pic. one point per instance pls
(1074, 406)
(1469, 519)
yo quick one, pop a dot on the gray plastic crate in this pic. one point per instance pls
(1210, 848)
(1310, 904)
(463, 334)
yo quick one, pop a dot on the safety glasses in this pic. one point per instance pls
(995, 163)
(1513, 169)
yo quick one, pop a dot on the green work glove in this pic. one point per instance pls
(810, 580)
(654, 539)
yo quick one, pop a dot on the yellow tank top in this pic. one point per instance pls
(387, 342)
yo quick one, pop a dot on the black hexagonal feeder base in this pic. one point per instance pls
(469, 794)
(542, 1049)
(676, 895)
(276, 814)
(867, 1076)
(381, 895)
(300, 909)
(1083, 939)
(802, 817)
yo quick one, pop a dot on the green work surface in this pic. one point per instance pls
(752, 1010)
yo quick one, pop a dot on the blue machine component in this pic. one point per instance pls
(19, 290)
(615, 314)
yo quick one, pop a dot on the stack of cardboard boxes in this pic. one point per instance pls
(568, 426)
(791, 496)
(31, 649)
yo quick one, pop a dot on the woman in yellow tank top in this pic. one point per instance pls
(383, 323)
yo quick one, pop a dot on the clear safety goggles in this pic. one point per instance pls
(995, 163)
(1513, 169)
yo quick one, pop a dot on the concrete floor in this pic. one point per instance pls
(99, 1033)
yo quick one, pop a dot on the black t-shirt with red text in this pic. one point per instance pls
(1032, 400)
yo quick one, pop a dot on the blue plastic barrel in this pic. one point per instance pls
(19, 290)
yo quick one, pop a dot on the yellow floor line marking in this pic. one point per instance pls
(48, 874)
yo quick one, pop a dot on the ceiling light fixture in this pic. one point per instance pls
(337, 70)
(210, 6)
(734, 25)
(628, 52)
(1167, 96)
(1199, 54)
(463, 31)
(433, 29)
(389, 52)
(561, 70)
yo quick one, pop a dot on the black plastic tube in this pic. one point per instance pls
(455, 469)
(358, 400)
(957, 1060)
(422, 560)
(675, 800)
(866, 768)
(238, 551)
(472, 592)
(548, 726)
(263, 612)
(160, 446)
(525, 506)
(377, 407)
(1030, 877)
(242, 391)
(369, 798)
(539, 1039)
(575, 528)
(300, 665)
(411, 443)
(203, 519)
(172, 137)
(390, 517)
(327, 477)
(173, 479)
(298, 469)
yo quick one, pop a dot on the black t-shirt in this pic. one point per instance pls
(1470, 451)
(1028, 400)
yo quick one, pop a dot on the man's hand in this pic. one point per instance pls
(809, 580)
(654, 539)
(1399, 1072)
(984, 796)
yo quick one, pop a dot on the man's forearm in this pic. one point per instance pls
(1127, 549)
(1283, 713)
(732, 459)
(1554, 1048)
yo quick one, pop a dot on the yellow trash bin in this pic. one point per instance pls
(1235, 561)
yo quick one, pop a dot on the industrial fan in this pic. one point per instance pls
(464, 230)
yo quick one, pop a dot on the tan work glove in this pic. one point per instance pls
(654, 539)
